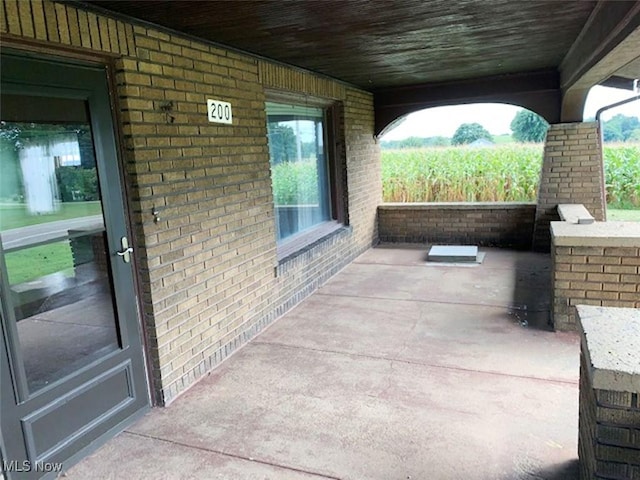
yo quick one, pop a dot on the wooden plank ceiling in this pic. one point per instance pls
(386, 43)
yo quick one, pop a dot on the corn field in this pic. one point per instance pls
(622, 175)
(295, 182)
(505, 173)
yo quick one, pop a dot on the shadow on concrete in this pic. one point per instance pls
(531, 303)
(563, 471)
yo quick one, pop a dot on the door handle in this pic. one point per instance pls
(126, 251)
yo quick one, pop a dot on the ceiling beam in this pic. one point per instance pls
(609, 40)
(618, 82)
(538, 91)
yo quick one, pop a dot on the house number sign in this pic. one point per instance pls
(219, 112)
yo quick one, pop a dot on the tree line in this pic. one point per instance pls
(526, 127)
(74, 183)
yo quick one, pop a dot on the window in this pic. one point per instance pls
(303, 174)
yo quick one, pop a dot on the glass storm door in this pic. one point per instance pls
(72, 369)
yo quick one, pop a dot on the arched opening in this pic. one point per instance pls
(620, 130)
(463, 153)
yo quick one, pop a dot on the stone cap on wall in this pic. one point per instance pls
(455, 205)
(598, 234)
(611, 345)
(575, 213)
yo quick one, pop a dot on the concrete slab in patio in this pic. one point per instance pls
(393, 370)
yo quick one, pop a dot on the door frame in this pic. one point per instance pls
(79, 56)
(107, 62)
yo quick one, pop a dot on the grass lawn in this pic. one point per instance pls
(17, 215)
(623, 215)
(32, 263)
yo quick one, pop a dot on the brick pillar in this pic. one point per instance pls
(609, 401)
(608, 445)
(572, 172)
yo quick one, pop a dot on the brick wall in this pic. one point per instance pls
(609, 426)
(572, 172)
(208, 269)
(487, 224)
(590, 275)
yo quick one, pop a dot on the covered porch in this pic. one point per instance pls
(394, 369)
(389, 369)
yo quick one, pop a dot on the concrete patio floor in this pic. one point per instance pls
(393, 370)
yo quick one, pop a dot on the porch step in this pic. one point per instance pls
(453, 253)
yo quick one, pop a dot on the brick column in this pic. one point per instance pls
(572, 172)
(609, 404)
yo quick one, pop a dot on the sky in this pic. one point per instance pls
(496, 118)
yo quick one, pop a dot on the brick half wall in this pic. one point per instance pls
(484, 224)
(597, 265)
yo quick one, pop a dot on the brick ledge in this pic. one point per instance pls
(455, 205)
(598, 234)
(611, 345)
